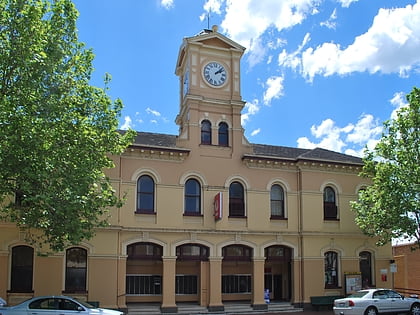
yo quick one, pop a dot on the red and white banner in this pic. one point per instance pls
(218, 206)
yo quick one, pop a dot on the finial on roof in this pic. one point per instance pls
(214, 28)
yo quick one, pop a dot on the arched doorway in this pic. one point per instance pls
(278, 272)
(144, 272)
(188, 280)
(365, 265)
(237, 272)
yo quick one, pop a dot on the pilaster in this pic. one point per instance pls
(168, 294)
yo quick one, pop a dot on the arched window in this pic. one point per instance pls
(76, 269)
(365, 265)
(277, 202)
(192, 252)
(146, 250)
(237, 252)
(142, 278)
(22, 269)
(205, 132)
(223, 134)
(236, 200)
(145, 195)
(278, 253)
(331, 269)
(192, 203)
(330, 206)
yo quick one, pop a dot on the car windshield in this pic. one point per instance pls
(85, 304)
(358, 294)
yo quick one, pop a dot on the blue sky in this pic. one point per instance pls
(316, 73)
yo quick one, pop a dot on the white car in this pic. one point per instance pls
(55, 305)
(374, 301)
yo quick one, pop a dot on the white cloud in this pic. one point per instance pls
(246, 20)
(398, 101)
(274, 89)
(330, 23)
(250, 110)
(127, 123)
(366, 128)
(329, 134)
(167, 4)
(365, 132)
(152, 112)
(346, 3)
(394, 32)
(255, 132)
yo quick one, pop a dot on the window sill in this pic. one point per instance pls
(144, 212)
(192, 214)
(276, 217)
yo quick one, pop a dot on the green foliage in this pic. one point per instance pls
(390, 207)
(56, 129)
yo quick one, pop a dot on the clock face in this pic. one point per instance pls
(215, 73)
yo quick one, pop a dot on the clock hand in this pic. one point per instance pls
(219, 71)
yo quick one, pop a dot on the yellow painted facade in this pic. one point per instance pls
(301, 236)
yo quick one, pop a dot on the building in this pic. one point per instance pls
(407, 273)
(210, 217)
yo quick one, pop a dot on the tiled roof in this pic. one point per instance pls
(159, 140)
(155, 140)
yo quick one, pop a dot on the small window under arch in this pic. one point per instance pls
(206, 132)
(237, 252)
(192, 252)
(145, 194)
(144, 250)
(223, 134)
(331, 271)
(330, 204)
(277, 202)
(236, 200)
(76, 270)
(192, 194)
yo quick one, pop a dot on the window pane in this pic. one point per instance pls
(329, 195)
(331, 269)
(236, 284)
(206, 132)
(76, 269)
(277, 201)
(192, 197)
(236, 200)
(223, 134)
(186, 284)
(144, 250)
(145, 194)
(143, 284)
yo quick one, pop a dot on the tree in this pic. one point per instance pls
(57, 130)
(390, 207)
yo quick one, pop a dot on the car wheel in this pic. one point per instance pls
(371, 311)
(415, 309)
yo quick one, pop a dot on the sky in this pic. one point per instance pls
(316, 73)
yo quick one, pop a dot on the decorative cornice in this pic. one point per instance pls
(153, 153)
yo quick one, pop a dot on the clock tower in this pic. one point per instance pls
(208, 68)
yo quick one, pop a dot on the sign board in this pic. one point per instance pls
(353, 282)
(393, 268)
(218, 206)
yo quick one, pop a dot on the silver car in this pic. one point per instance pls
(374, 301)
(55, 305)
